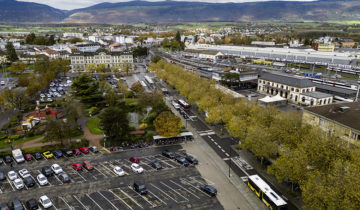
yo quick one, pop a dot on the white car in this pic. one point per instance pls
(12, 175)
(56, 168)
(119, 171)
(42, 179)
(24, 173)
(18, 183)
(49, 99)
(45, 202)
(137, 168)
(42, 95)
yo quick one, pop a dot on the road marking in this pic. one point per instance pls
(10, 184)
(223, 150)
(173, 190)
(184, 189)
(157, 197)
(195, 187)
(80, 176)
(64, 200)
(165, 193)
(100, 172)
(227, 154)
(145, 198)
(80, 202)
(215, 143)
(61, 183)
(131, 198)
(108, 200)
(120, 199)
(93, 200)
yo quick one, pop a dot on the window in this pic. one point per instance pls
(321, 122)
(353, 135)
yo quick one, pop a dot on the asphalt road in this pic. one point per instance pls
(173, 187)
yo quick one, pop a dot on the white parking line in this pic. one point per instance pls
(174, 190)
(77, 199)
(107, 200)
(165, 193)
(195, 187)
(120, 199)
(145, 198)
(65, 201)
(157, 197)
(93, 201)
(10, 184)
(227, 154)
(100, 172)
(80, 176)
(184, 189)
(59, 179)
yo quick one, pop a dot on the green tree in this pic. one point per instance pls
(155, 59)
(91, 67)
(11, 53)
(86, 88)
(14, 98)
(122, 87)
(57, 130)
(17, 67)
(167, 124)
(137, 87)
(115, 123)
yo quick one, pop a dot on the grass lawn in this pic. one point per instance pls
(93, 125)
(18, 141)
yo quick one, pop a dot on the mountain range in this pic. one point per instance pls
(176, 11)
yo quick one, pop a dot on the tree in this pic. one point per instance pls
(167, 124)
(86, 88)
(11, 53)
(91, 68)
(14, 98)
(111, 97)
(178, 37)
(101, 68)
(155, 59)
(122, 87)
(140, 51)
(115, 123)
(17, 67)
(57, 130)
(137, 87)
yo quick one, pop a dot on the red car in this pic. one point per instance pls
(86, 164)
(28, 157)
(84, 150)
(135, 159)
(76, 152)
(77, 166)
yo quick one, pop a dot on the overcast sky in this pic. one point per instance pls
(75, 4)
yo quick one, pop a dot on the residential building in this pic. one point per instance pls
(70, 35)
(341, 120)
(121, 60)
(94, 38)
(3, 58)
(298, 90)
(323, 47)
(88, 47)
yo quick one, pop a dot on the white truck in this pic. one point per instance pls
(18, 156)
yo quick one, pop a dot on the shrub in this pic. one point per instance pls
(93, 111)
(129, 94)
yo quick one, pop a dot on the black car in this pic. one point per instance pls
(17, 205)
(4, 206)
(208, 189)
(191, 159)
(38, 156)
(8, 159)
(29, 181)
(32, 204)
(168, 154)
(57, 153)
(182, 160)
(68, 152)
(156, 164)
(2, 176)
(140, 187)
(46, 170)
(94, 149)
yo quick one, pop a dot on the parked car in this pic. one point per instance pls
(24, 173)
(57, 153)
(156, 164)
(119, 171)
(12, 175)
(18, 183)
(86, 164)
(77, 166)
(64, 177)
(2, 176)
(208, 189)
(1, 161)
(4, 206)
(135, 159)
(84, 150)
(16, 205)
(137, 168)
(38, 156)
(28, 157)
(94, 149)
(181, 160)
(140, 187)
(48, 154)
(68, 152)
(8, 159)
(76, 152)
(56, 168)
(45, 202)
(46, 170)
(41, 178)
(29, 181)
(32, 204)
(168, 154)
(191, 159)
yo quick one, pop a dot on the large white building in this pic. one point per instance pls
(119, 60)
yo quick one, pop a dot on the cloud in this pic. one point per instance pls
(76, 4)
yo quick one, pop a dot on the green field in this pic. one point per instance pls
(93, 125)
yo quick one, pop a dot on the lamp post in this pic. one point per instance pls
(357, 92)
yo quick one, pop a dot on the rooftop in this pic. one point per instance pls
(347, 114)
(317, 94)
(287, 80)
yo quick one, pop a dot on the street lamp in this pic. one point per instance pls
(357, 92)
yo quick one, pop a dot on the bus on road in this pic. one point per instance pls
(183, 104)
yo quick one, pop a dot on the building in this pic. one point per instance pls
(203, 54)
(121, 60)
(298, 90)
(347, 43)
(94, 38)
(3, 58)
(70, 35)
(341, 120)
(261, 43)
(323, 47)
(88, 47)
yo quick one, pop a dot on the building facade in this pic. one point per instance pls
(295, 89)
(119, 60)
(340, 120)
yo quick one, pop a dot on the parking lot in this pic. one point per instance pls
(174, 186)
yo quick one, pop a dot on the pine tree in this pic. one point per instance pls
(11, 53)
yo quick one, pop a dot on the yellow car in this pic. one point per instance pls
(48, 154)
